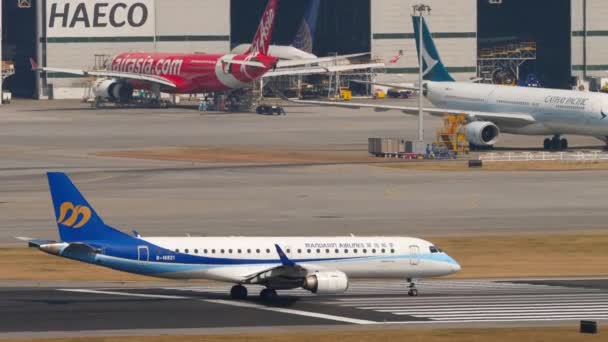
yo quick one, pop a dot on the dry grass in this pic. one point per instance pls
(241, 155)
(249, 155)
(410, 335)
(481, 257)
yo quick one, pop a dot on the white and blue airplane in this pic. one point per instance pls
(321, 265)
(494, 109)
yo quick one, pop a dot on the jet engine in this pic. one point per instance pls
(326, 282)
(113, 90)
(482, 133)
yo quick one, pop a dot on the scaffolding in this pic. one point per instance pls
(451, 136)
(504, 57)
(8, 69)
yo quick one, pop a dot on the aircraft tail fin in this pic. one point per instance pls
(76, 218)
(305, 37)
(262, 38)
(432, 66)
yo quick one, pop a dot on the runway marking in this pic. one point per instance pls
(126, 294)
(291, 311)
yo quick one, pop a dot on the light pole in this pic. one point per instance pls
(420, 9)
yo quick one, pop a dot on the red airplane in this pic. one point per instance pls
(189, 73)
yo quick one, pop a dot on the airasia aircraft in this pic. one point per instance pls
(189, 73)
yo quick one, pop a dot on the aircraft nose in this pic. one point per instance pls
(454, 265)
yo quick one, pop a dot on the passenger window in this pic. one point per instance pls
(186, 251)
(346, 251)
(318, 251)
(327, 251)
(337, 251)
(299, 251)
(392, 251)
(257, 251)
(196, 251)
(177, 250)
(288, 250)
(205, 251)
(248, 251)
(213, 251)
(308, 250)
(222, 251)
(230, 251)
(267, 250)
(364, 251)
(355, 251)
(383, 250)
(374, 251)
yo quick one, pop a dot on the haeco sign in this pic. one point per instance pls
(110, 18)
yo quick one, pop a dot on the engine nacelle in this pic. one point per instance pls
(113, 90)
(326, 282)
(482, 133)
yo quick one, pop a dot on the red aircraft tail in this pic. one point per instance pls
(263, 36)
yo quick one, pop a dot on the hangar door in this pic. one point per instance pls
(19, 44)
(520, 28)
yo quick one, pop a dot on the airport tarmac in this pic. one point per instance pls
(443, 303)
(209, 198)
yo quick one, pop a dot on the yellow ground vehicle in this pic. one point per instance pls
(346, 94)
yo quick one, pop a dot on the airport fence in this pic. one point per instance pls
(544, 156)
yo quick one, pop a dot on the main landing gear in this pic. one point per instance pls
(240, 292)
(555, 144)
(413, 292)
(268, 295)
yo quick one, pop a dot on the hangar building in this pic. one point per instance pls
(569, 38)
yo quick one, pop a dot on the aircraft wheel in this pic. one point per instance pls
(268, 295)
(259, 110)
(412, 293)
(238, 292)
(564, 144)
(547, 144)
(556, 143)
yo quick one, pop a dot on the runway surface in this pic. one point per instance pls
(442, 302)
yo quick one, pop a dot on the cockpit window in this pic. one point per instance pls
(435, 249)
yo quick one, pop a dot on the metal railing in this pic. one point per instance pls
(544, 156)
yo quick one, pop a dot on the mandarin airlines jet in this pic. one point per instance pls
(495, 109)
(189, 73)
(321, 265)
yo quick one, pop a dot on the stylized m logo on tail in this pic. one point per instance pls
(78, 215)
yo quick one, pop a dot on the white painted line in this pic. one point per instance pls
(467, 298)
(485, 306)
(290, 311)
(517, 315)
(530, 318)
(126, 294)
(497, 311)
(491, 320)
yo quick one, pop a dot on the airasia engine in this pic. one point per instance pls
(113, 90)
(482, 133)
(326, 282)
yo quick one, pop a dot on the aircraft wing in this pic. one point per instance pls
(287, 270)
(311, 61)
(107, 73)
(511, 119)
(322, 70)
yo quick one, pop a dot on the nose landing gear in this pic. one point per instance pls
(268, 295)
(555, 144)
(412, 292)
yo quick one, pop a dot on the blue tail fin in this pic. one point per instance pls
(305, 36)
(433, 68)
(76, 218)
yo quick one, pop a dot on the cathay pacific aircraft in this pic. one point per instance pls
(321, 265)
(496, 109)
